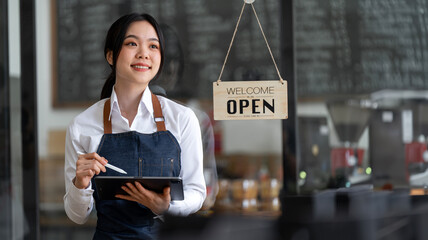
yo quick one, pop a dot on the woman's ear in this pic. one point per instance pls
(109, 57)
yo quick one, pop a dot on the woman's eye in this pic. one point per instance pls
(154, 46)
(131, 44)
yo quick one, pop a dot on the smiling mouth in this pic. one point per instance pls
(140, 67)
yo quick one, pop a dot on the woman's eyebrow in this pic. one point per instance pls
(154, 39)
(132, 36)
(136, 37)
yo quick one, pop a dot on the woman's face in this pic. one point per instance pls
(140, 56)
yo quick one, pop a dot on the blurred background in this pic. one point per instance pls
(357, 75)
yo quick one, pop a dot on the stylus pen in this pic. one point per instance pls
(115, 168)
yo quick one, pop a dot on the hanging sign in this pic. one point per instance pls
(239, 100)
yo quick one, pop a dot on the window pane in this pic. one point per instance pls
(243, 173)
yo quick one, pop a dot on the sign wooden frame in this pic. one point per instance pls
(250, 100)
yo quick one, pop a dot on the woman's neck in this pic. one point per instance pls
(129, 99)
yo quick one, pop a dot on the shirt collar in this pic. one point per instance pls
(146, 101)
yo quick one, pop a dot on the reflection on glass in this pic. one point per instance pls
(314, 167)
(236, 182)
(350, 118)
(402, 117)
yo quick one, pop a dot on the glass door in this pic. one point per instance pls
(18, 158)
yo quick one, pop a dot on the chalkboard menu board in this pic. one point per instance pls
(358, 47)
(198, 33)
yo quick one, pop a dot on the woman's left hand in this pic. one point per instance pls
(157, 202)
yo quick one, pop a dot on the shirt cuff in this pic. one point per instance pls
(84, 196)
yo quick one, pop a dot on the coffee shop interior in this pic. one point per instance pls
(349, 162)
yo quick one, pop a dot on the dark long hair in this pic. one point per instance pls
(114, 41)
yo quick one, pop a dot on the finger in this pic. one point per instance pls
(90, 163)
(101, 166)
(132, 188)
(94, 165)
(166, 191)
(103, 161)
(83, 166)
(126, 197)
(85, 173)
(128, 190)
(87, 156)
(94, 156)
(132, 196)
(83, 161)
(140, 188)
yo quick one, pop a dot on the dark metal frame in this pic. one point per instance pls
(30, 167)
(290, 125)
(5, 156)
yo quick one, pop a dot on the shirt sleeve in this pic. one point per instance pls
(191, 168)
(78, 203)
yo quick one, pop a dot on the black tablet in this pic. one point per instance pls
(109, 186)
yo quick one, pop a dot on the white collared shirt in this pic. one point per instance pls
(84, 134)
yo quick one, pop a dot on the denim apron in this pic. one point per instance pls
(156, 154)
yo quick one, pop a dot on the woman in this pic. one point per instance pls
(131, 128)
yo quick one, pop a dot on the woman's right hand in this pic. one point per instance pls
(87, 166)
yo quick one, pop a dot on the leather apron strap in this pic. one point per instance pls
(107, 122)
(159, 119)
